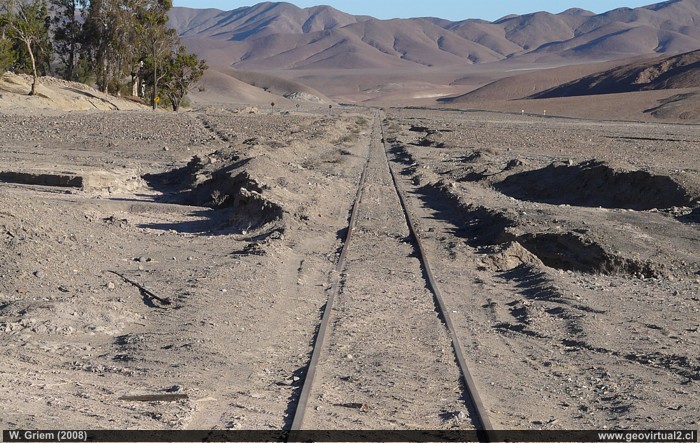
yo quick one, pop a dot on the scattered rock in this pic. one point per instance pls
(508, 256)
(362, 407)
(515, 163)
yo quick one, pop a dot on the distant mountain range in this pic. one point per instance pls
(283, 36)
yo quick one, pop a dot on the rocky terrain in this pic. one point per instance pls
(194, 213)
(170, 270)
(167, 271)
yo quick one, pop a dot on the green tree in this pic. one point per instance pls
(7, 54)
(158, 40)
(181, 72)
(67, 26)
(111, 40)
(27, 24)
(120, 35)
(102, 40)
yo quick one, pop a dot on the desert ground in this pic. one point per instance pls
(566, 249)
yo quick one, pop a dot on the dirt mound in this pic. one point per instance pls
(218, 181)
(509, 239)
(511, 255)
(595, 184)
(480, 226)
(250, 210)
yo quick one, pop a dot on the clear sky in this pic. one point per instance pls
(450, 9)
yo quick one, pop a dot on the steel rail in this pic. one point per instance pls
(305, 394)
(482, 419)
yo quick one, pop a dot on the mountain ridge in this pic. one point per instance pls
(273, 35)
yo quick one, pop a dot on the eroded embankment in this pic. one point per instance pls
(595, 184)
(220, 181)
(507, 234)
(567, 224)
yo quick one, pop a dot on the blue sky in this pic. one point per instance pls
(449, 9)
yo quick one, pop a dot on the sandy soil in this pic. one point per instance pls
(572, 269)
(567, 250)
(671, 106)
(55, 95)
(245, 289)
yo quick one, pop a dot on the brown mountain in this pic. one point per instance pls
(662, 87)
(283, 36)
(257, 21)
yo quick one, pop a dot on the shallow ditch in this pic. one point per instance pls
(42, 179)
(572, 251)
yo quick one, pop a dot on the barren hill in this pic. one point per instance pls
(659, 87)
(677, 72)
(284, 36)
(528, 83)
(227, 85)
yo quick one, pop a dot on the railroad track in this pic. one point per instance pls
(381, 234)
